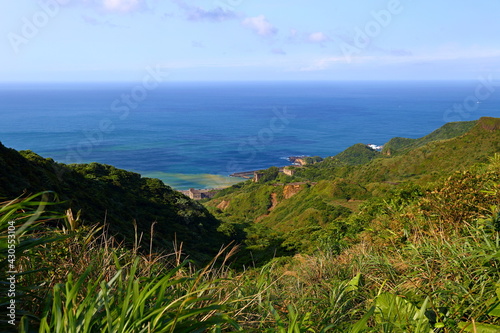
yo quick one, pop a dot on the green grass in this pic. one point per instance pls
(77, 279)
(414, 267)
(448, 131)
(129, 302)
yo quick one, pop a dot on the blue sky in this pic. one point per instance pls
(117, 40)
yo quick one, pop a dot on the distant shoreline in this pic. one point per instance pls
(184, 182)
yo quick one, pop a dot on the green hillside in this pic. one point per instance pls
(117, 198)
(448, 131)
(338, 164)
(357, 154)
(319, 210)
(436, 158)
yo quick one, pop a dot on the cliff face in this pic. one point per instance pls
(290, 190)
(489, 123)
(274, 201)
(223, 205)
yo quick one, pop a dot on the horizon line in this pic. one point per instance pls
(237, 81)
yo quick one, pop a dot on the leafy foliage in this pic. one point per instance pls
(20, 233)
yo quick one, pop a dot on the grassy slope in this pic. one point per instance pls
(436, 158)
(339, 164)
(448, 131)
(357, 154)
(117, 197)
(320, 206)
(426, 263)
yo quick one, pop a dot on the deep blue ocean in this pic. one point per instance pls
(196, 134)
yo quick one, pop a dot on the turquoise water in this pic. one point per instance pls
(196, 134)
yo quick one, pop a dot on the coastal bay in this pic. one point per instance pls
(194, 135)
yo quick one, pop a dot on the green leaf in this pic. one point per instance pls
(361, 325)
(495, 311)
(354, 283)
(479, 327)
(398, 312)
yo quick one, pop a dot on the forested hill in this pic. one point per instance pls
(118, 198)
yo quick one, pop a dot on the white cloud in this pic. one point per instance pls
(116, 6)
(123, 6)
(317, 37)
(260, 25)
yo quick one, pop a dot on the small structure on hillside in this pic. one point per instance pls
(257, 176)
(289, 171)
(200, 194)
